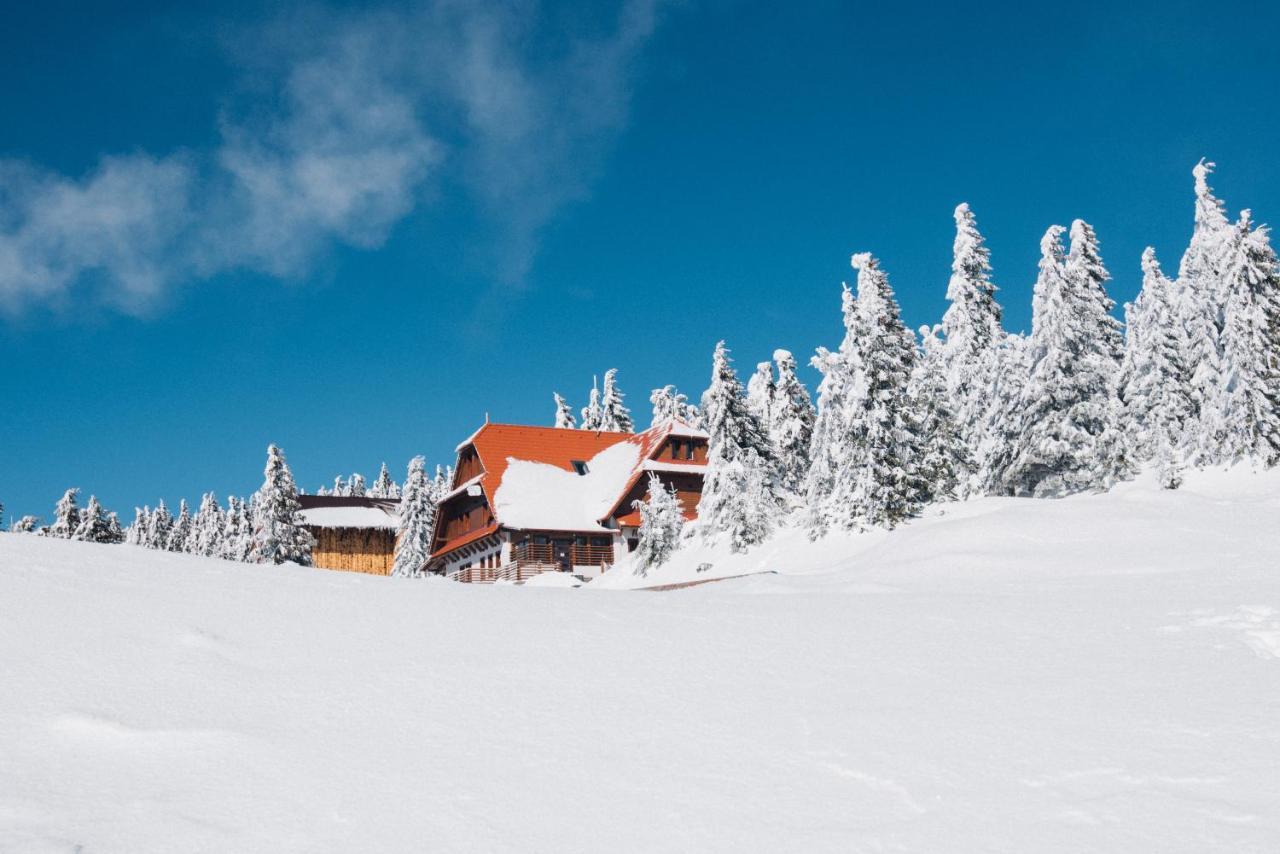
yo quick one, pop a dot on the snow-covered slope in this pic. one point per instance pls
(1095, 674)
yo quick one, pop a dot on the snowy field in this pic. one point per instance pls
(1095, 674)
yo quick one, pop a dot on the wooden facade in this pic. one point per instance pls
(353, 533)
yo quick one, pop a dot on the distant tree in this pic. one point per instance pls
(661, 522)
(384, 486)
(592, 413)
(417, 515)
(66, 516)
(1201, 291)
(25, 525)
(944, 465)
(161, 527)
(564, 414)
(668, 404)
(95, 524)
(355, 486)
(741, 497)
(183, 528)
(791, 419)
(278, 533)
(209, 529)
(441, 484)
(614, 415)
(340, 487)
(237, 536)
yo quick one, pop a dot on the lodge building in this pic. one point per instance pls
(527, 500)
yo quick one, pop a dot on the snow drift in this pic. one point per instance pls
(1100, 673)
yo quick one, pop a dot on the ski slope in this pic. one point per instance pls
(1099, 674)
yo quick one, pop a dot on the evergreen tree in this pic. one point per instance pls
(972, 332)
(237, 536)
(945, 466)
(135, 534)
(355, 486)
(25, 525)
(278, 534)
(670, 404)
(661, 522)
(1201, 291)
(614, 415)
(876, 483)
(1007, 369)
(417, 516)
(1154, 381)
(209, 529)
(340, 487)
(591, 413)
(831, 446)
(161, 527)
(115, 534)
(384, 486)
(564, 413)
(791, 419)
(1069, 439)
(66, 516)
(95, 524)
(1243, 421)
(760, 394)
(442, 484)
(740, 493)
(180, 536)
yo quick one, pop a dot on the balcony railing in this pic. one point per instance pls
(529, 559)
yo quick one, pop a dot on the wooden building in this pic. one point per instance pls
(353, 533)
(527, 500)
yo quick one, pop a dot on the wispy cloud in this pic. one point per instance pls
(358, 116)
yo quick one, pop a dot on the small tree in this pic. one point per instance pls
(564, 414)
(181, 536)
(25, 525)
(161, 527)
(384, 486)
(614, 415)
(791, 418)
(95, 524)
(210, 525)
(669, 404)
(278, 533)
(591, 413)
(66, 516)
(944, 465)
(760, 394)
(417, 516)
(661, 521)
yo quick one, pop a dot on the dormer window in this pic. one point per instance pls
(579, 466)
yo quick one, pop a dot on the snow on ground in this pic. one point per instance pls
(1095, 674)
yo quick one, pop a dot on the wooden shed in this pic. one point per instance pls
(353, 533)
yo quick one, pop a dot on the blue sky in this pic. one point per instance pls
(354, 231)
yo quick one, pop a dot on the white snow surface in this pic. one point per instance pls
(349, 517)
(538, 496)
(1099, 673)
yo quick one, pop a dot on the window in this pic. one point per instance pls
(601, 542)
(579, 466)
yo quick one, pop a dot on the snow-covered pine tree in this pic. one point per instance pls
(417, 516)
(441, 484)
(876, 483)
(161, 527)
(135, 534)
(1002, 419)
(615, 417)
(972, 332)
(791, 418)
(384, 486)
(831, 446)
(355, 486)
(741, 497)
(591, 413)
(25, 525)
(564, 413)
(661, 522)
(324, 490)
(669, 403)
(1201, 291)
(760, 394)
(1069, 439)
(115, 534)
(237, 536)
(95, 524)
(209, 529)
(278, 534)
(944, 466)
(340, 487)
(1243, 421)
(1154, 382)
(180, 536)
(66, 516)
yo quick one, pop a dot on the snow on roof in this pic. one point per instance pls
(462, 487)
(349, 517)
(668, 466)
(540, 496)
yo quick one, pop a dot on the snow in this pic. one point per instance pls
(1099, 673)
(688, 468)
(348, 517)
(538, 496)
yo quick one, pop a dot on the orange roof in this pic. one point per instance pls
(554, 446)
(470, 537)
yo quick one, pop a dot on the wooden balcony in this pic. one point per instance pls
(529, 559)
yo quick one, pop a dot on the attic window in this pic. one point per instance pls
(579, 466)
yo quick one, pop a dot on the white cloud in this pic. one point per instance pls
(358, 115)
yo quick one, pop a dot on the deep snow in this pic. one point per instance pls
(1100, 673)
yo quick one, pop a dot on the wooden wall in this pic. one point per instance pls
(370, 550)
